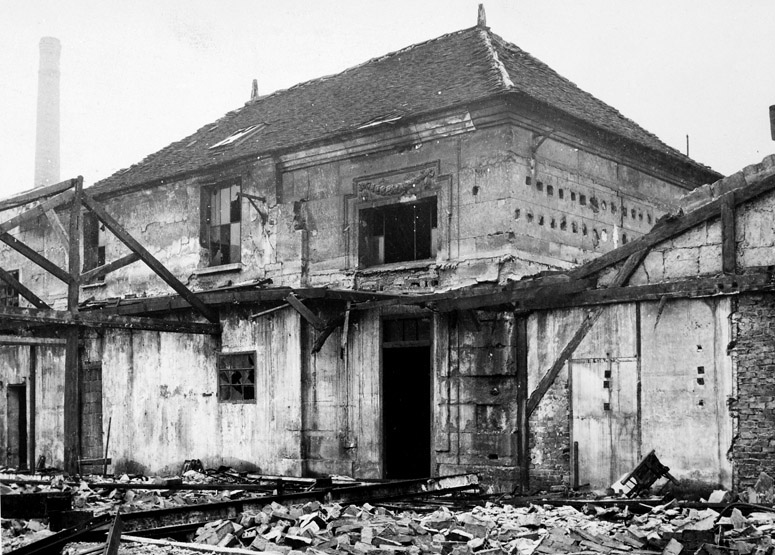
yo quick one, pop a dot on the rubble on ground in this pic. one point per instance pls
(443, 526)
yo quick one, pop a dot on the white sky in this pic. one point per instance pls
(138, 75)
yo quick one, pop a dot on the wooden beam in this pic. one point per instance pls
(699, 287)
(305, 312)
(100, 271)
(548, 379)
(326, 333)
(33, 255)
(20, 288)
(728, 225)
(669, 228)
(94, 319)
(27, 340)
(345, 330)
(269, 311)
(535, 292)
(37, 193)
(114, 536)
(72, 380)
(33, 406)
(621, 279)
(58, 228)
(148, 258)
(36, 211)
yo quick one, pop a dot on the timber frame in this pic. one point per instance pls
(44, 325)
(586, 286)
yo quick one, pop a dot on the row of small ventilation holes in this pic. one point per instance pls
(582, 202)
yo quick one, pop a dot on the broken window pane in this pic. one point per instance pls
(398, 232)
(223, 228)
(236, 377)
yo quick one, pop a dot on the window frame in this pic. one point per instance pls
(364, 252)
(221, 355)
(12, 295)
(94, 243)
(206, 223)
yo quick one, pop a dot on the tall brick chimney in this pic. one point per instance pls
(47, 130)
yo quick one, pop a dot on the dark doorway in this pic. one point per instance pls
(406, 363)
(16, 455)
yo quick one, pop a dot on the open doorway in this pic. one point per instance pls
(406, 400)
(16, 455)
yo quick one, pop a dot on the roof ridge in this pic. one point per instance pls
(545, 67)
(362, 64)
(496, 62)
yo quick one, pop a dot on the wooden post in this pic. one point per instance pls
(728, 254)
(72, 432)
(32, 408)
(523, 428)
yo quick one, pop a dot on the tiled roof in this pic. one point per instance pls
(451, 70)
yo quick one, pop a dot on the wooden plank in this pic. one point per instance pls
(100, 271)
(33, 406)
(95, 319)
(37, 193)
(26, 340)
(20, 288)
(671, 227)
(188, 545)
(58, 228)
(72, 393)
(547, 380)
(33, 255)
(114, 536)
(728, 244)
(305, 312)
(117, 230)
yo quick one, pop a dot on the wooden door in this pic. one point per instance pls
(605, 420)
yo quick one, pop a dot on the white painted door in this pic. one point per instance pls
(605, 419)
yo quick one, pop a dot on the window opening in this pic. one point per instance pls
(237, 377)
(222, 228)
(94, 242)
(398, 232)
(9, 297)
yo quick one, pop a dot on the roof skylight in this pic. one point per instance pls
(238, 135)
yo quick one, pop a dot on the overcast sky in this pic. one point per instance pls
(138, 75)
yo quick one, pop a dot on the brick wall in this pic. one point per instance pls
(550, 437)
(753, 449)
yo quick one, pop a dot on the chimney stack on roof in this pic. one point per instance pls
(254, 90)
(481, 20)
(47, 130)
(772, 122)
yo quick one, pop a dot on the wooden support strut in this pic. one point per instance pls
(100, 271)
(19, 287)
(33, 255)
(305, 312)
(117, 230)
(624, 274)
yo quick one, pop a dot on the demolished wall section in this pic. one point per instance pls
(753, 450)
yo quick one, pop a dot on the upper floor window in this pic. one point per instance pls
(8, 296)
(237, 377)
(221, 223)
(398, 232)
(94, 241)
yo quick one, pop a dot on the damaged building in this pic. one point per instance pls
(447, 259)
